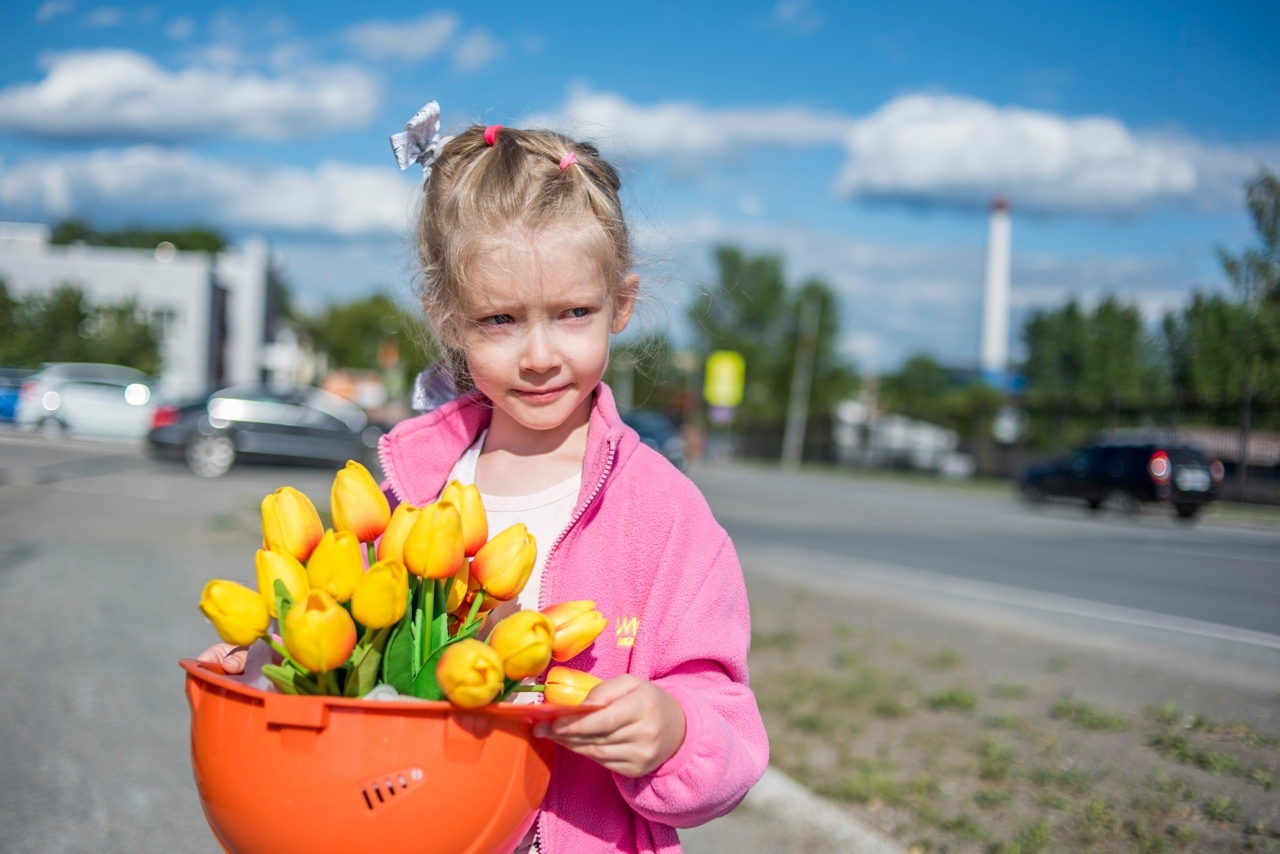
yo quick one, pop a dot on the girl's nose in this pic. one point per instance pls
(540, 353)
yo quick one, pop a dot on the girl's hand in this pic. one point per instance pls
(640, 727)
(231, 657)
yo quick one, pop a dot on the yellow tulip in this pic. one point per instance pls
(523, 642)
(358, 504)
(391, 546)
(319, 633)
(475, 522)
(502, 567)
(381, 597)
(239, 614)
(458, 588)
(273, 565)
(433, 548)
(337, 564)
(577, 625)
(290, 523)
(568, 687)
(470, 673)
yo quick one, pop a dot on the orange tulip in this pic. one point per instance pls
(382, 595)
(577, 626)
(358, 504)
(523, 641)
(319, 633)
(458, 588)
(433, 548)
(290, 523)
(273, 565)
(238, 613)
(475, 523)
(391, 546)
(337, 564)
(470, 673)
(568, 687)
(502, 567)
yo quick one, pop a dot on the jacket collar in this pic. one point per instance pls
(418, 454)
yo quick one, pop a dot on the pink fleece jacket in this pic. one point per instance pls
(643, 544)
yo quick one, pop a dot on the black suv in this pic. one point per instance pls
(1128, 472)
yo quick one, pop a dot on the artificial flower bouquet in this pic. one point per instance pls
(399, 599)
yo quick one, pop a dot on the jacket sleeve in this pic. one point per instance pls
(704, 632)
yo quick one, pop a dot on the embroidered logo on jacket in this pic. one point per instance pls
(625, 628)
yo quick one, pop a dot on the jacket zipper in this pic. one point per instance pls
(582, 508)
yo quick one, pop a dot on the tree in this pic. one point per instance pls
(1256, 272)
(351, 335)
(752, 311)
(191, 239)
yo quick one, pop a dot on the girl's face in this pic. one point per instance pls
(536, 329)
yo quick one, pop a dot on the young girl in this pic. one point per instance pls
(526, 259)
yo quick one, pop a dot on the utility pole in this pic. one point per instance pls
(801, 381)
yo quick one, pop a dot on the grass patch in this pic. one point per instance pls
(1221, 808)
(990, 797)
(1180, 749)
(958, 699)
(1009, 691)
(1033, 840)
(784, 640)
(996, 759)
(1086, 716)
(945, 659)
(1007, 721)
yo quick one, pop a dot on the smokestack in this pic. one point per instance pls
(994, 350)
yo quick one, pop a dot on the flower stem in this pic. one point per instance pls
(373, 554)
(475, 609)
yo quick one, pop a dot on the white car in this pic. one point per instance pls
(85, 399)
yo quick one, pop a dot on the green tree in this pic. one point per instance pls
(351, 335)
(62, 326)
(751, 310)
(191, 239)
(1255, 273)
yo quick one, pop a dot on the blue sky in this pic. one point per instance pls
(863, 142)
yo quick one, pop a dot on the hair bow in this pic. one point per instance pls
(420, 142)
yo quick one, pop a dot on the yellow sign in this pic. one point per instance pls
(723, 383)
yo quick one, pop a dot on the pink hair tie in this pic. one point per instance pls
(568, 160)
(491, 134)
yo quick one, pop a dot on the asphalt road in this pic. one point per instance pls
(1220, 573)
(103, 554)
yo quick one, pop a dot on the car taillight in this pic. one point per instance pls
(1217, 472)
(1158, 467)
(163, 416)
(28, 391)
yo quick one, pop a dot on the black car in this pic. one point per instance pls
(659, 432)
(1129, 473)
(256, 422)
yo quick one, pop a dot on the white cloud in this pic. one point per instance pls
(476, 50)
(51, 9)
(954, 151)
(410, 41)
(681, 129)
(180, 29)
(938, 150)
(104, 16)
(120, 94)
(797, 15)
(152, 183)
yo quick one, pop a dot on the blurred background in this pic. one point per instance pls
(970, 249)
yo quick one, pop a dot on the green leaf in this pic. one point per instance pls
(440, 618)
(398, 656)
(289, 680)
(366, 660)
(425, 684)
(283, 603)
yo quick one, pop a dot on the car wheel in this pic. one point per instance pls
(52, 428)
(1124, 503)
(1187, 512)
(212, 455)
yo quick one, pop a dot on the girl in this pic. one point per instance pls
(525, 259)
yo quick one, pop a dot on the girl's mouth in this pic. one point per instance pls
(540, 395)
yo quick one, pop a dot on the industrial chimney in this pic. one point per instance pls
(994, 348)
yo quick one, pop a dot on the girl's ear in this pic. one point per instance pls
(624, 302)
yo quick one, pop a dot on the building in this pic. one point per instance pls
(218, 314)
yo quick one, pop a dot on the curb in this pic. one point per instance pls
(781, 797)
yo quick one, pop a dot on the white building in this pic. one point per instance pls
(217, 313)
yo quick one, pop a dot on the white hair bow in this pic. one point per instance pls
(420, 142)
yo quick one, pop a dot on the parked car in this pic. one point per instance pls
(87, 399)
(257, 423)
(11, 380)
(659, 432)
(1129, 473)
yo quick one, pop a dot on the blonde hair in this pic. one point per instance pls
(478, 191)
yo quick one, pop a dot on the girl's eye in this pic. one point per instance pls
(497, 320)
(578, 312)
